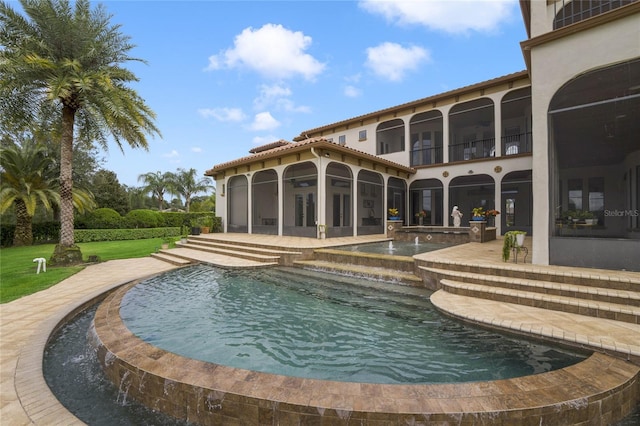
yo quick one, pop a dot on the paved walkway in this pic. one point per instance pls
(26, 323)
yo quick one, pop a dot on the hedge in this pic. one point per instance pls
(89, 235)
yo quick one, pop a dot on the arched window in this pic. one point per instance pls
(238, 204)
(339, 201)
(472, 130)
(264, 199)
(370, 208)
(390, 137)
(594, 123)
(579, 10)
(426, 138)
(426, 195)
(300, 200)
(516, 122)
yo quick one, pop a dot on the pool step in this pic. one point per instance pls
(378, 273)
(575, 305)
(184, 255)
(550, 288)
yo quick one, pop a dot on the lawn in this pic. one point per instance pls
(18, 271)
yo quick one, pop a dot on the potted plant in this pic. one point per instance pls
(195, 227)
(394, 214)
(421, 215)
(588, 217)
(512, 240)
(478, 213)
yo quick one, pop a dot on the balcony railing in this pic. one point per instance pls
(517, 144)
(464, 151)
(426, 156)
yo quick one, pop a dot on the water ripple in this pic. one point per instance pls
(310, 324)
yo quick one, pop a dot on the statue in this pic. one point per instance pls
(456, 215)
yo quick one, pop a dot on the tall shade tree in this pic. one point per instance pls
(71, 58)
(156, 183)
(185, 184)
(28, 180)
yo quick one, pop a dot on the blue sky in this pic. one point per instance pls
(226, 76)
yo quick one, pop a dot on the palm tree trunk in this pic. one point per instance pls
(66, 252)
(66, 179)
(23, 235)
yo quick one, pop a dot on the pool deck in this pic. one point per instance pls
(26, 323)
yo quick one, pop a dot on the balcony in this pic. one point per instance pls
(517, 144)
(483, 148)
(426, 156)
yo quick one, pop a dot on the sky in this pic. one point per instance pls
(226, 76)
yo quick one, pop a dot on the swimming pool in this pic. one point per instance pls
(301, 323)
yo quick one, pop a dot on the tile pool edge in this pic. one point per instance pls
(600, 387)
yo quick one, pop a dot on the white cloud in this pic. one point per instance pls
(196, 149)
(223, 114)
(352, 91)
(264, 121)
(451, 16)
(278, 96)
(272, 51)
(172, 154)
(392, 61)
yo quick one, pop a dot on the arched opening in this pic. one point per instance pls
(426, 138)
(238, 204)
(396, 196)
(594, 123)
(516, 122)
(390, 137)
(472, 130)
(426, 195)
(264, 199)
(517, 202)
(370, 203)
(339, 201)
(469, 192)
(300, 200)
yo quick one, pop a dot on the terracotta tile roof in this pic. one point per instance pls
(498, 80)
(304, 145)
(269, 146)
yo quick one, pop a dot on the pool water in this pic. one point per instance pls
(309, 324)
(72, 371)
(396, 248)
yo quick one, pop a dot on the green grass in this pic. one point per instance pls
(18, 271)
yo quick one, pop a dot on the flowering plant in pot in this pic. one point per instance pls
(394, 214)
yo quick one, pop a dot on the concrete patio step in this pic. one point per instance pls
(234, 251)
(377, 273)
(597, 309)
(208, 243)
(599, 294)
(169, 258)
(581, 277)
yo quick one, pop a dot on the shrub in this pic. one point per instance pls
(144, 219)
(103, 218)
(89, 235)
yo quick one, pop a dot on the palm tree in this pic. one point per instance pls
(184, 184)
(71, 58)
(157, 184)
(28, 179)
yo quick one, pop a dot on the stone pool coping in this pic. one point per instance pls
(600, 389)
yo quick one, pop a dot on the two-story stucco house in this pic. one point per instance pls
(549, 147)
